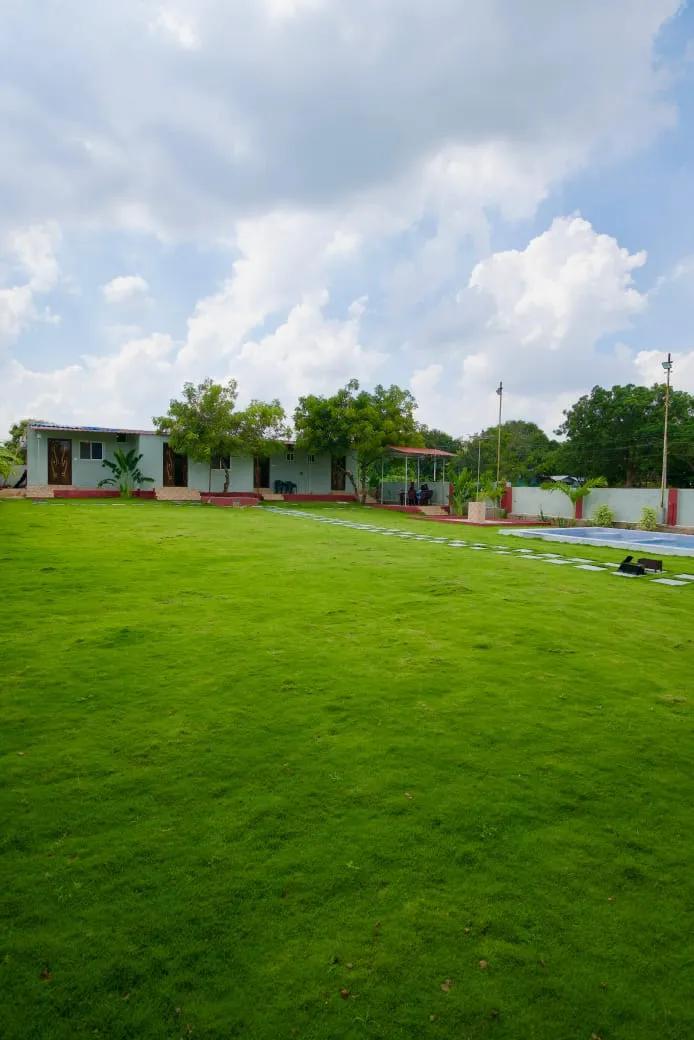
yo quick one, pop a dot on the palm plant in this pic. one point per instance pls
(575, 493)
(127, 475)
(464, 487)
(491, 489)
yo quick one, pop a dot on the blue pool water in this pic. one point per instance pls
(617, 538)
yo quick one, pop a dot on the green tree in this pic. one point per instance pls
(17, 441)
(9, 460)
(359, 423)
(206, 425)
(619, 433)
(126, 471)
(525, 450)
(434, 438)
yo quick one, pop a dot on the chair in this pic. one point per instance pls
(652, 566)
(628, 567)
(425, 497)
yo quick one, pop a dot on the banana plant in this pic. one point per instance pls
(127, 475)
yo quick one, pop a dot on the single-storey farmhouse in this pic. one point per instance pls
(71, 457)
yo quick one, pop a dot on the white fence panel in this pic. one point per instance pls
(685, 508)
(529, 501)
(625, 503)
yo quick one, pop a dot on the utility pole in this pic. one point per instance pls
(479, 460)
(667, 365)
(500, 392)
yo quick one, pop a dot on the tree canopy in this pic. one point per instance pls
(526, 450)
(619, 433)
(206, 425)
(434, 438)
(16, 443)
(359, 423)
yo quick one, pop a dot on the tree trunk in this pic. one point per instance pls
(209, 477)
(226, 480)
(352, 482)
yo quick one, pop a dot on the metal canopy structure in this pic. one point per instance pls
(416, 455)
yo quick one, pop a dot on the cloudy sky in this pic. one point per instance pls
(295, 192)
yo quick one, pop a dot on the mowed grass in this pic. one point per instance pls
(266, 778)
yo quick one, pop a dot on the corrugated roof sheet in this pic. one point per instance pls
(73, 427)
(422, 452)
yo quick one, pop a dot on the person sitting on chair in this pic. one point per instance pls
(425, 495)
(412, 494)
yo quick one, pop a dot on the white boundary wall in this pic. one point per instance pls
(626, 503)
(685, 508)
(528, 501)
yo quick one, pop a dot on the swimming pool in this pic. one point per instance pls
(616, 538)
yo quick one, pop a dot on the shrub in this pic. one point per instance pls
(603, 516)
(649, 519)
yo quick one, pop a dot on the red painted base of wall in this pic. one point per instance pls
(397, 509)
(84, 493)
(319, 498)
(97, 493)
(230, 494)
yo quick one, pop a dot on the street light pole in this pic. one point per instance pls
(667, 365)
(500, 392)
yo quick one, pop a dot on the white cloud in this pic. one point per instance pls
(31, 252)
(120, 387)
(649, 368)
(125, 289)
(302, 103)
(178, 28)
(309, 352)
(34, 249)
(568, 282)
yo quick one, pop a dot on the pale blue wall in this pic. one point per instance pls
(36, 459)
(241, 475)
(151, 448)
(309, 477)
(86, 473)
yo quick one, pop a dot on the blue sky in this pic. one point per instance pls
(296, 192)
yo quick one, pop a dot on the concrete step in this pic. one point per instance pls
(177, 494)
(433, 510)
(39, 491)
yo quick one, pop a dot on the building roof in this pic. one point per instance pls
(39, 424)
(424, 453)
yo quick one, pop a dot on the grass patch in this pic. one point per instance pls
(266, 778)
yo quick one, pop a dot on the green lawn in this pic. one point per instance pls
(265, 778)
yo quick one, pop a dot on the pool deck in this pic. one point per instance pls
(665, 543)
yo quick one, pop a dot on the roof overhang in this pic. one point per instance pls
(419, 453)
